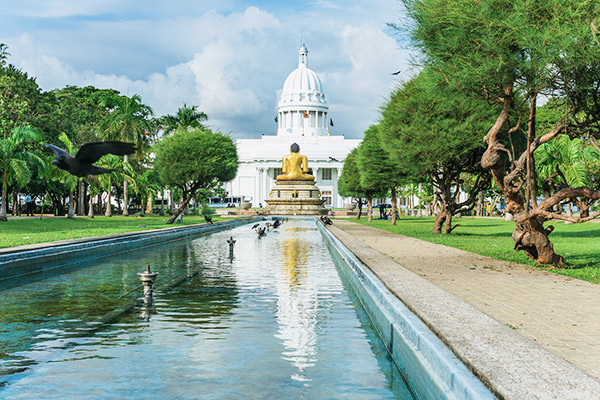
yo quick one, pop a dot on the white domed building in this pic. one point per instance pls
(303, 118)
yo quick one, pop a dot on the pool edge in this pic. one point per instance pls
(510, 365)
(432, 370)
(30, 259)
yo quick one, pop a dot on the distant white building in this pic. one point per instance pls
(303, 118)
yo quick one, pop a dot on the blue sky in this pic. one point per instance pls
(228, 57)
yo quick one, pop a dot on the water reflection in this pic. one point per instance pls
(297, 303)
(273, 322)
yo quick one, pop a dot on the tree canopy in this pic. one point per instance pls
(509, 53)
(191, 160)
(434, 132)
(377, 172)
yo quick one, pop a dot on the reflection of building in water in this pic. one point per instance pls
(297, 304)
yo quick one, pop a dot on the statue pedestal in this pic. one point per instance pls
(295, 198)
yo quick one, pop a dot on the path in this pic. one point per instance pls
(559, 313)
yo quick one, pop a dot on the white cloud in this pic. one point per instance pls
(229, 64)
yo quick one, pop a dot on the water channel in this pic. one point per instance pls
(277, 320)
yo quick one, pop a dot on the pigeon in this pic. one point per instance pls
(208, 219)
(81, 164)
(326, 220)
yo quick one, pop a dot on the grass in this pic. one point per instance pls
(577, 243)
(21, 231)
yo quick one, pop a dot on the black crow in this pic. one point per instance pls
(208, 219)
(326, 220)
(255, 226)
(333, 159)
(81, 164)
(276, 223)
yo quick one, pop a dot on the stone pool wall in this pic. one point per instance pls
(31, 259)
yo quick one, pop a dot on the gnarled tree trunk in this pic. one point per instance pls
(529, 235)
(394, 205)
(359, 204)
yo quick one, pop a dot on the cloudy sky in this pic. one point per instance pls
(229, 57)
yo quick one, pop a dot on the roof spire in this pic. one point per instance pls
(303, 56)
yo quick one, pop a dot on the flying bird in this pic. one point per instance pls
(82, 163)
(333, 159)
(396, 73)
(255, 226)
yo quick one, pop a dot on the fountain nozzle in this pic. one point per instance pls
(148, 278)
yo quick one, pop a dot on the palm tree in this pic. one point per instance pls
(569, 160)
(113, 162)
(128, 121)
(70, 181)
(16, 159)
(186, 118)
(145, 188)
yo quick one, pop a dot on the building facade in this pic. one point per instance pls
(303, 118)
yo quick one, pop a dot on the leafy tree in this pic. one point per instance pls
(82, 110)
(70, 181)
(349, 184)
(16, 157)
(186, 118)
(145, 188)
(509, 53)
(106, 180)
(3, 54)
(565, 163)
(376, 170)
(434, 132)
(127, 121)
(193, 160)
(20, 99)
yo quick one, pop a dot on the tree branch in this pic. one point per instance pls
(594, 143)
(550, 215)
(566, 193)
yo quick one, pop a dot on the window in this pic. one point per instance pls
(326, 195)
(326, 174)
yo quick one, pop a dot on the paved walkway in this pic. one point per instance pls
(560, 314)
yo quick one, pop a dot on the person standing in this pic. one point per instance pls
(29, 204)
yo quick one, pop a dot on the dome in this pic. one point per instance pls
(302, 109)
(302, 80)
(302, 84)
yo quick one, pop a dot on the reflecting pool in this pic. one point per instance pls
(277, 320)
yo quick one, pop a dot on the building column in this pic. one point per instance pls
(256, 200)
(339, 199)
(266, 186)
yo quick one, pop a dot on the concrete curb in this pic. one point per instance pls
(512, 366)
(429, 366)
(35, 258)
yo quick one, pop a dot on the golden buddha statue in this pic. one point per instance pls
(295, 166)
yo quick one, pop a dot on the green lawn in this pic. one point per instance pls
(577, 243)
(19, 231)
